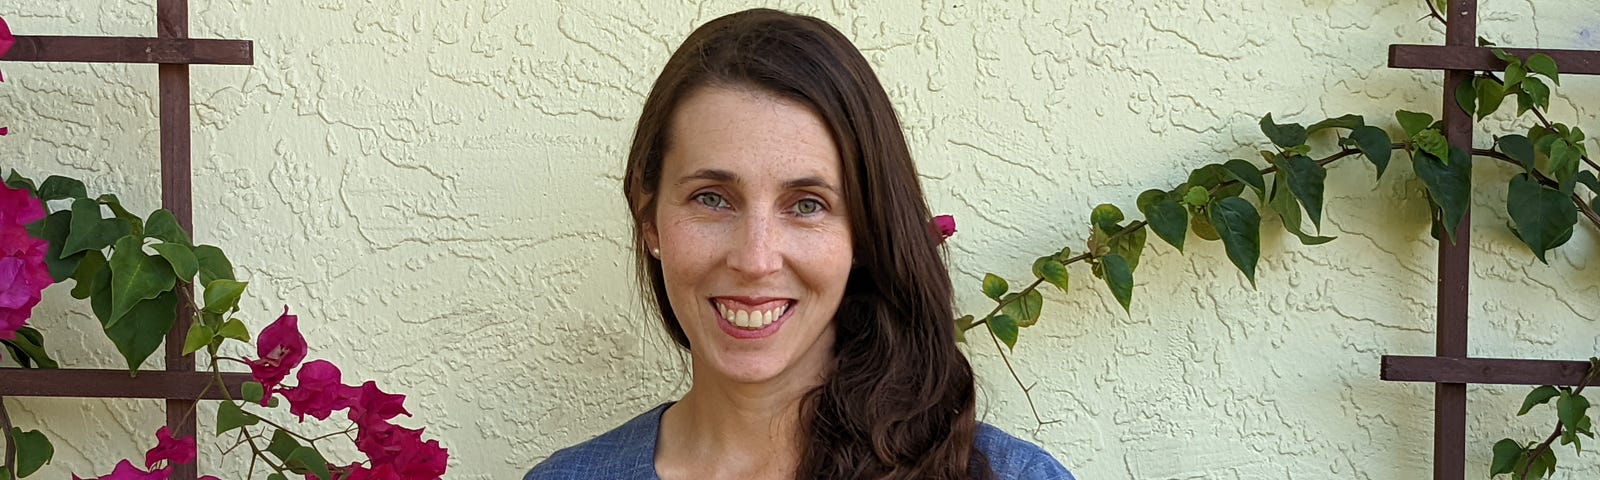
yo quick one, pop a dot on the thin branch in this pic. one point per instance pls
(1026, 391)
(1594, 370)
(1433, 11)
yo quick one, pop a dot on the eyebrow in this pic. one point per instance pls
(717, 175)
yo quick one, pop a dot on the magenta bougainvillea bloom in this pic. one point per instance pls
(23, 274)
(319, 393)
(126, 471)
(403, 450)
(281, 348)
(375, 406)
(943, 227)
(173, 451)
(6, 40)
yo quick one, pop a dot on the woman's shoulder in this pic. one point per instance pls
(625, 452)
(1012, 458)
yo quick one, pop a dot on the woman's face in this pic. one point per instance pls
(753, 234)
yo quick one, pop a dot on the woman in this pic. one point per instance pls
(781, 231)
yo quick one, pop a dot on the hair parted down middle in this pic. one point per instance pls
(899, 402)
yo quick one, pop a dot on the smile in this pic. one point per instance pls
(746, 317)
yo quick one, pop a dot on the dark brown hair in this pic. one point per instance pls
(899, 401)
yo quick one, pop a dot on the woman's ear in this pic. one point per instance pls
(652, 239)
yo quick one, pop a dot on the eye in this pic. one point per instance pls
(809, 206)
(710, 199)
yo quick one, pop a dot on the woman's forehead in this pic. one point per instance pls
(748, 133)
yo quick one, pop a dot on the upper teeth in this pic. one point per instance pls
(751, 319)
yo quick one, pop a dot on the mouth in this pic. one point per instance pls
(751, 317)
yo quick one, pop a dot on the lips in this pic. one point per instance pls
(751, 315)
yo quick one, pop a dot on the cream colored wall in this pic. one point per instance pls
(433, 187)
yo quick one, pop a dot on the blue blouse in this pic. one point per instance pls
(628, 452)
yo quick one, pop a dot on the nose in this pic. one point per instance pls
(757, 248)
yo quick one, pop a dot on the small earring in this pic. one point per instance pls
(655, 252)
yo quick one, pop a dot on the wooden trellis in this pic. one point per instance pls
(173, 51)
(1450, 370)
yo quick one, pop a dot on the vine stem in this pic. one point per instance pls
(1433, 11)
(1026, 391)
(1594, 370)
(11, 443)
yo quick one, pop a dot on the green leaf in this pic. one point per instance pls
(252, 392)
(135, 277)
(1306, 180)
(213, 264)
(30, 343)
(1537, 397)
(1374, 144)
(138, 333)
(1025, 308)
(277, 476)
(1166, 217)
(163, 225)
(17, 181)
(1055, 274)
(1105, 217)
(1506, 452)
(100, 295)
(1286, 135)
(55, 229)
(1588, 179)
(1467, 97)
(230, 416)
(33, 451)
(1544, 217)
(1570, 408)
(1413, 122)
(308, 460)
(1202, 227)
(1564, 164)
(181, 258)
(1432, 142)
(1544, 65)
(282, 444)
(234, 329)
(1130, 246)
(90, 266)
(135, 224)
(963, 324)
(1240, 228)
(1242, 171)
(993, 286)
(87, 231)
(1119, 277)
(198, 337)
(58, 187)
(222, 296)
(1538, 92)
(1518, 148)
(1004, 328)
(1348, 121)
(1504, 56)
(1490, 95)
(1449, 186)
(1515, 74)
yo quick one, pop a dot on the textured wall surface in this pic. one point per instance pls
(432, 185)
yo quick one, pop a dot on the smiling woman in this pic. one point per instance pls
(782, 233)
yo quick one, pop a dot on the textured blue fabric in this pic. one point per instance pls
(628, 452)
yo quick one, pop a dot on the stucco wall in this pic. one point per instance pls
(433, 187)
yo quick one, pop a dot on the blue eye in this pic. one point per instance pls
(809, 206)
(711, 200)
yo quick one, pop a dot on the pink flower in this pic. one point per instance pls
(425, 461)
(319, 393)
(6, 40)
(384, 442)
(280, 347)
(126, 471)
(23, 274)
(375, 406)
(174, 451)
(943, 227)
(380, 472)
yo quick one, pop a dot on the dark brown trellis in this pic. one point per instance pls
(1450, 370)
(173, 51)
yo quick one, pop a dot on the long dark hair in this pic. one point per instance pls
(899, 401)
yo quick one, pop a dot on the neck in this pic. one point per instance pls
(752, 430)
